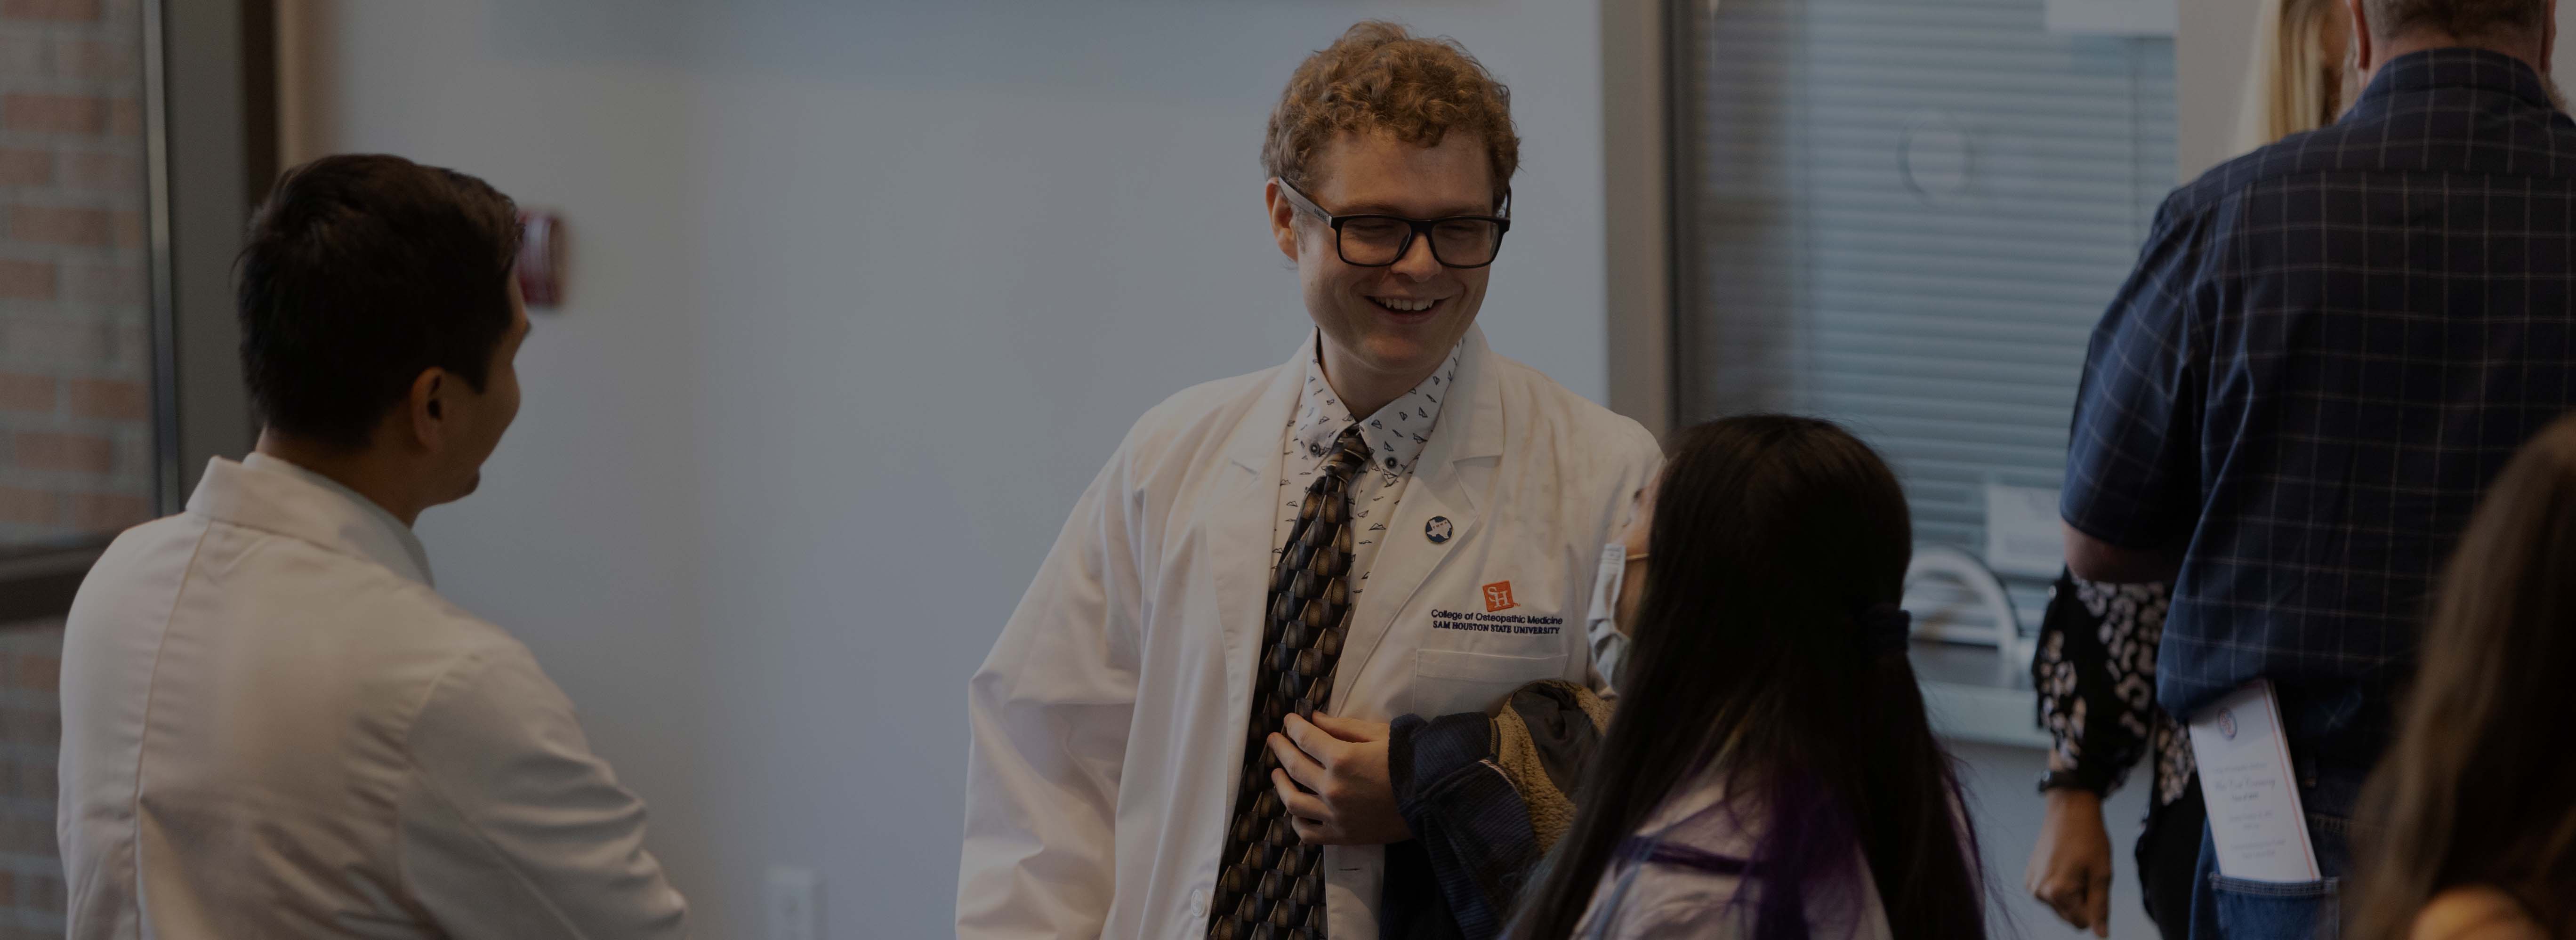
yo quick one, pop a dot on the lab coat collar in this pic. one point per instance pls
(272, 495)
(1480, 435)
(1450, 482)
(1470, 426)
(1396, 434)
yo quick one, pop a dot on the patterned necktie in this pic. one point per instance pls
(1272, 887)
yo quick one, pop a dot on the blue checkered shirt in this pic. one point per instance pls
(2329, 347)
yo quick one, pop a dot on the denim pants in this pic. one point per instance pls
(2224, 908)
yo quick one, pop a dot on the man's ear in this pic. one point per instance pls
(427, 408)
(1283, 218)
(2548, 36)
(2361, 49)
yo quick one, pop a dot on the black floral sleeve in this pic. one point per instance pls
(2096, 675)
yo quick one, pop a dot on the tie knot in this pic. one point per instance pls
(1350, 452)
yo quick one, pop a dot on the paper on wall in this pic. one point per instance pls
(2023, 535)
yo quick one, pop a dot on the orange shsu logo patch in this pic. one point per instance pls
(1498, 596)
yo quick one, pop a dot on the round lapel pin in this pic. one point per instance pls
(1438, 529)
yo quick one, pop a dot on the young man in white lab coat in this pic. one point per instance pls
(1140, 754)
(272, 725)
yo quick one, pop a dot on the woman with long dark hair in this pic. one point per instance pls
(2475, 832)
(1770, 772)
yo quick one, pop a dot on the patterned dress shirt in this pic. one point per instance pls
(2329, 347)
(1396, 435)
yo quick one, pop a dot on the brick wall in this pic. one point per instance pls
(75, 355)
(75, 350)
(31, 870)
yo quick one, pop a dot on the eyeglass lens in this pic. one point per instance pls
(1458, 243)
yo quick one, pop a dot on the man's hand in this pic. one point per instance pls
(1340, 764)
(2070, 868)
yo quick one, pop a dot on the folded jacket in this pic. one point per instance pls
(1486, 796)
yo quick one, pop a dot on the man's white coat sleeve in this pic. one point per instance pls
(1050, 712)
(511, 827)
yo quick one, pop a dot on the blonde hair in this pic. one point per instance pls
(2472, 791)
(2294, 85)
(1380, 77)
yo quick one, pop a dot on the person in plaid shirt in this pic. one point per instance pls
(2329, 347)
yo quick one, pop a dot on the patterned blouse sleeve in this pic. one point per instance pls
(2096, 676)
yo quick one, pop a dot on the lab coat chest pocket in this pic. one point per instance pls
(1450, 682)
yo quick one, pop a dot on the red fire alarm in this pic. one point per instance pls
(541, 258)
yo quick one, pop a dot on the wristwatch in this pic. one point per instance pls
(2063, 780)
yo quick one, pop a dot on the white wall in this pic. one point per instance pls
(2214, 49)
(861, 299)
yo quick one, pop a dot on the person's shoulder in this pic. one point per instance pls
(457, 627)
(1568, 420)
(1651, 901)
(155, 548)
(2475, 913)
(1209, 398)
(1201, 413)
(422, 637)
(128, 593)
(284, 582)
(161, 531)
(1693, 883)
(2355, 144)
(2229, 179)
(369, 592)
(484, 679)
(396, 626)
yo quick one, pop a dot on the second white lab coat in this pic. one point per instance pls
(1108, 721)
(273, 727)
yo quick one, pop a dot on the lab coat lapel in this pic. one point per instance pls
(1452, 481)
(1241, 510)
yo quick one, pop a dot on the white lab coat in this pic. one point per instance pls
(1108, 721)
(273, 727)
(1647, 900)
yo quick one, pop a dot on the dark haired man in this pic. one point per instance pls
(272, 725)
(2329, 348)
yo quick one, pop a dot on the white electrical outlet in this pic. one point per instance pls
(795, 904)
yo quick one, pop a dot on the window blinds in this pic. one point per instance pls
(1909, 214)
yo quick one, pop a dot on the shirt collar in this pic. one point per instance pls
(1396, 434)
(2462, 67)
(270, 494)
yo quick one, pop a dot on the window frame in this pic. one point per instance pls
(210, 152)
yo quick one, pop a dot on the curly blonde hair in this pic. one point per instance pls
(1380, 77)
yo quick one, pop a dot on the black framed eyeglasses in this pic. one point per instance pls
(1376, 241)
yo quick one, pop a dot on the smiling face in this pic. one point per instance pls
(1391, 326)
